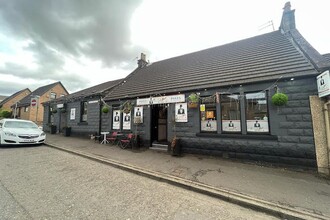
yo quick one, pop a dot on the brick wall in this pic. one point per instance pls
(7, 106)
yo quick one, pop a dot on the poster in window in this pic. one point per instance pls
(209, 125)
(116, 119)
(73, 114)
(181, 112)
(231, 125)
(127, 121)
(138, 115)
(257, 125)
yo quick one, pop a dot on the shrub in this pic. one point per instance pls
(5, 114)
(105, 109)
(279, 99)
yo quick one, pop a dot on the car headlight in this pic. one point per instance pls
(42, 134)
(10, 134)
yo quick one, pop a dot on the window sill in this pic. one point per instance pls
(239, 136)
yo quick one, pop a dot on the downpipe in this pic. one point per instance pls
(327, 127)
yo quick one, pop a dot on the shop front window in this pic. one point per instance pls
(84, 111)
(208, 115)
(230, 113)
(257, 112)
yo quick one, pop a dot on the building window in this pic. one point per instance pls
(52, 95)
(84, 111)
(230, 113)
(208, 114)
(62, 95)
(26, 109)
(257, 112)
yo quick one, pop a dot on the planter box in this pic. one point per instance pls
(175, 147)
(67, 131)
(53, 129)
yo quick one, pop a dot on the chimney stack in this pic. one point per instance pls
(142, 62)
(288, 19)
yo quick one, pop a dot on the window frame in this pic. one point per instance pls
(52, 95)
(84, 111)
(246, 114)
(240, 117)
(202, 102)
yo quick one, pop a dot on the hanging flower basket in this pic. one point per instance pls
(279, 99)
(192, 104)
(193, 99)
(54, 111)
(105, 109)
(63, 110)
(127, 108)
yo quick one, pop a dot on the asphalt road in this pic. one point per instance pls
(44, 183)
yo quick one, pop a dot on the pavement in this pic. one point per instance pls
(285, 192)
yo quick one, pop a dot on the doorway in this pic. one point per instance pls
(159, 124)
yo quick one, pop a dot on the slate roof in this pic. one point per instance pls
(38, 92)
(327, 56)
(12, 96)
(91, 91)
(261, 58)
(2, 97)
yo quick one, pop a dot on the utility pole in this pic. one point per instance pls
(35, 103)
(15, 111)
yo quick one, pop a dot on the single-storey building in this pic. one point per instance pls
(233, 86)
(81, 111)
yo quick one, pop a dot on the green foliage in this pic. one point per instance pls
(193, 97)
(279, 99)
(105, 109)
(5, 114)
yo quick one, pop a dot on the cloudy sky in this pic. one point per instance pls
(86, 42)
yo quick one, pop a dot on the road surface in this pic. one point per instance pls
(44, 183)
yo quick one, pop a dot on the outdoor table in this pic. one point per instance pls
(105, 141)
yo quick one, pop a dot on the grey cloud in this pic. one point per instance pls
(14, 87)
(97, 29)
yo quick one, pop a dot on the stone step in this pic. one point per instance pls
(159, 147)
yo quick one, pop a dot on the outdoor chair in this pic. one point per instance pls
(126, 142)
(113, 137)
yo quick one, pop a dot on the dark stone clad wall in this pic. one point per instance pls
(79, 128)
(291, 134)
(143, 130)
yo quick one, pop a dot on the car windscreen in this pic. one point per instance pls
(20, 124)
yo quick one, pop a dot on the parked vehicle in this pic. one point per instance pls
(17, 132)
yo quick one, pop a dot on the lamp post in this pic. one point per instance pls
(15, 111)
(35, 102)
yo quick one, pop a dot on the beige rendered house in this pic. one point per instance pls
(33, 110)
(10, 101)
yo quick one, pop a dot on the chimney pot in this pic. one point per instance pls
(142, 62)
(288, 19)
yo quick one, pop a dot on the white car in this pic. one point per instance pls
(17, 131)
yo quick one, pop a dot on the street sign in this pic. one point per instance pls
(323, 84)
(34, 102)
